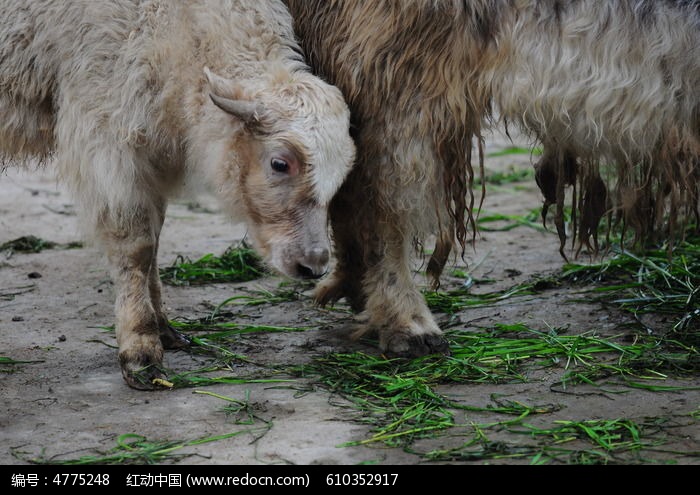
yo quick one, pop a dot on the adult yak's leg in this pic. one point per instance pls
(373, 220)
(395, 309)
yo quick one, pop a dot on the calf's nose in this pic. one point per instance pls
(314, 264)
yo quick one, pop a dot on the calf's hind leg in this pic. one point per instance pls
(169, 337)
(349, 239)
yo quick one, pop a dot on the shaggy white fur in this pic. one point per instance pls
(132, 97)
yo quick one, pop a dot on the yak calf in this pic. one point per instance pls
(135, 97)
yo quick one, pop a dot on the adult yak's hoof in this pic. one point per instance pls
(406, 345)
(412, 337)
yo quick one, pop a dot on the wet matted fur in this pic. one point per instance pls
(611, 82)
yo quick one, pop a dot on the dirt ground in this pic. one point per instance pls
(69, 400)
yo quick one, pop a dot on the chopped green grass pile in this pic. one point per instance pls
(33, 244)
(401, 401)
(237, 264)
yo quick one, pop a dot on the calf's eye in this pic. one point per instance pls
(279, 165)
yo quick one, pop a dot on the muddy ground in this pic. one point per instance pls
(69, 400)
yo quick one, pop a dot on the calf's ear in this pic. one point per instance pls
(220, 90)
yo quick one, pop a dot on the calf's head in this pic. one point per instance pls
(287, 151)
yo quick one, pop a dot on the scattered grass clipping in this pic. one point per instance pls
(600, 441)
(215, 339)
(500, 222)
(133, 449)
(9, 365)
(453, 301)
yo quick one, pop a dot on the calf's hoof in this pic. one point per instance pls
(336, 287)
(143, 372)
(172, 339)
(406, 345)
(328, 291)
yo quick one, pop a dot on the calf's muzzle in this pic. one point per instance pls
(314, 262)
